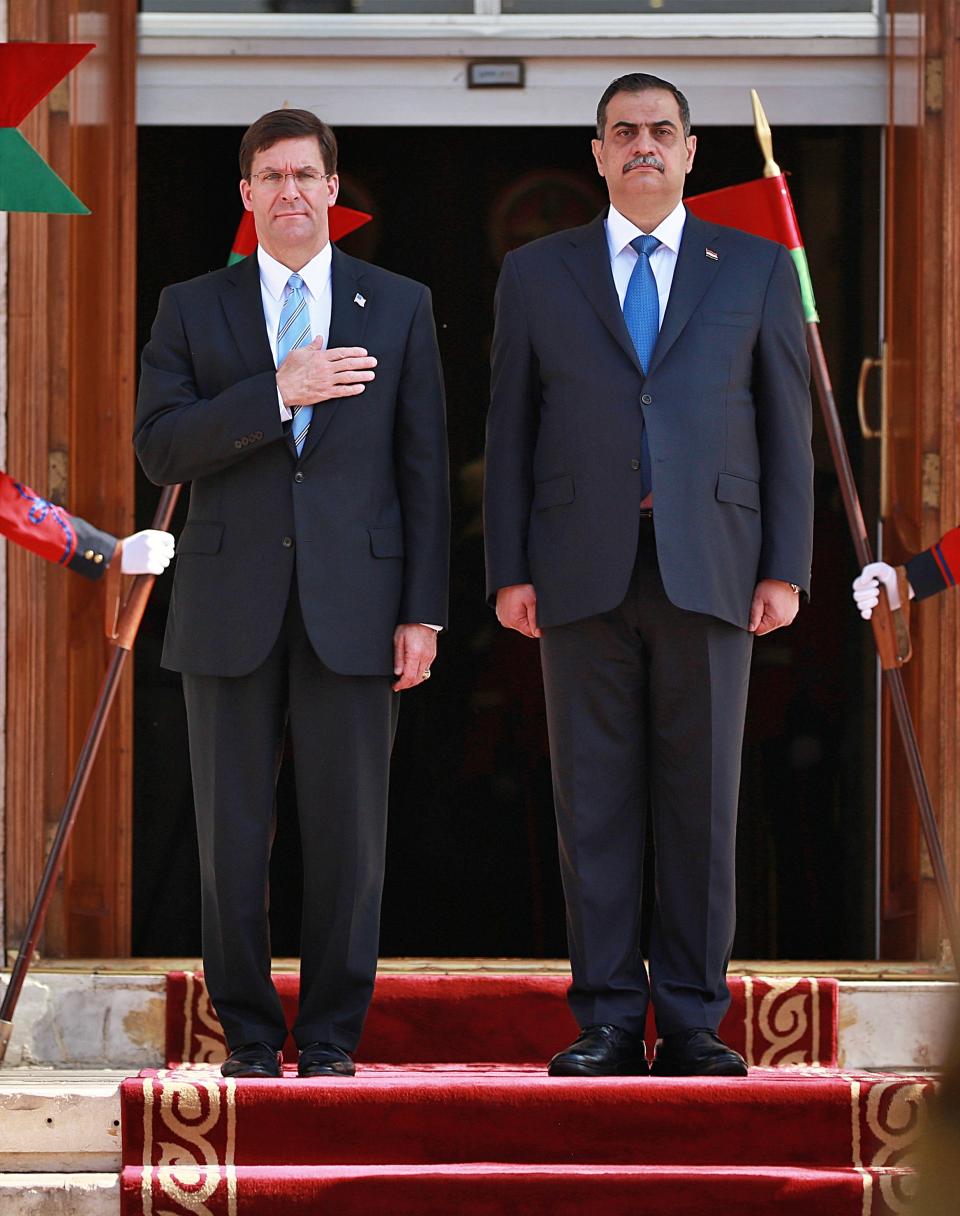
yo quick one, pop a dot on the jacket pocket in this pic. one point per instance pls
(198, 536)
(386, 542)
(553, 493)
(741, 490)
(744, 319)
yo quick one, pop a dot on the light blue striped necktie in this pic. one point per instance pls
(294, 331)
(641, 313)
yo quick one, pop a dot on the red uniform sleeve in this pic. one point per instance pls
(936, 568)
(47, 530)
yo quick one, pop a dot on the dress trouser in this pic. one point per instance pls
(645, 710)
(342, 730)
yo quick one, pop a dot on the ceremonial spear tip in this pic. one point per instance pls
(764, 136)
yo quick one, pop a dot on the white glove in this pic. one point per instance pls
(866, 588)
(147, 552)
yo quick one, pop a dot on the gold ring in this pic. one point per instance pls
(426, 674)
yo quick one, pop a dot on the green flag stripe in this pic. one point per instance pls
(27, 183)
(806, 285)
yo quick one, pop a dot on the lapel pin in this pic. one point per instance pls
(359, 299)
(712, 255)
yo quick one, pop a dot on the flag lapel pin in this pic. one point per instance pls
(712, 255)
(360, 300)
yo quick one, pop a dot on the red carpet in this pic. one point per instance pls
(516, 1019)
(530, 1190)
(462, 1138)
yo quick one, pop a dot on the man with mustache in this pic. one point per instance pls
(648, 513)
(300, 393)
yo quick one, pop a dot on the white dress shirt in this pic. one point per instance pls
(663, 260)
(317, 289)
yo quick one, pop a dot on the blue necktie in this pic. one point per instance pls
(641, 312)
(294, 331)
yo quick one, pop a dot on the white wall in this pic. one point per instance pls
(396, 72)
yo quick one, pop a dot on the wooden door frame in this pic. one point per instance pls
(71, 374)
(911, 925)
(941, 388)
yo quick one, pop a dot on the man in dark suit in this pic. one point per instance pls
(648, 511)
(300, 392)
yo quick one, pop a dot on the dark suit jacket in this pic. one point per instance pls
(364, 512)
(726, 404)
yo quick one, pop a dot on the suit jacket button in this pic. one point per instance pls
(647, 399)
(298, 477)
(287, 542)
(258, 434)
(88, 555)
(634, 464)
(238, 443)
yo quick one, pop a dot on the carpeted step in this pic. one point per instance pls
(496, 1189)
(517, 1019)
(446, 1114)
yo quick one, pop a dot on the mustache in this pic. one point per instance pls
(637, 161)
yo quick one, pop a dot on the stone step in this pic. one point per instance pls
(78, 1194)
(60, 1152)
(56, 1123)
(82, 1027)
(115, 1018)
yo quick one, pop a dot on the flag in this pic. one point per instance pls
(343, 221)
(765, 208)
(28, 71)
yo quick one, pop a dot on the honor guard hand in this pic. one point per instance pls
(147, 552)
(866, 588)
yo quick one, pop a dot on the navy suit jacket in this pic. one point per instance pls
(726, 404)
(362, 515)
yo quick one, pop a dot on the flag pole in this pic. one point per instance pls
(123, 640)
(890, 634)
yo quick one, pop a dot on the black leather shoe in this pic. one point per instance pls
(601, 1051)
(252, 1060)
(325, 1060)
(696, 1053)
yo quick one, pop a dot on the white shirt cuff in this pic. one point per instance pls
(436, 628)
(285, 413)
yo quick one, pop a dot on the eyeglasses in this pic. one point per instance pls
(306, 179)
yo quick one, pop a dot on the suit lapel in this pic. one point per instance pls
(243, 306)
(693, 274)
(348, 321)
(588, 260)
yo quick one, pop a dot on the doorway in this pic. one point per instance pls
(472, 867)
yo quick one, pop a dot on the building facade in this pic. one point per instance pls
(464, 130)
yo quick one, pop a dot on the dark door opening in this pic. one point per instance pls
(472, 866)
